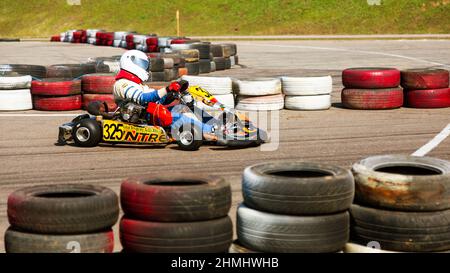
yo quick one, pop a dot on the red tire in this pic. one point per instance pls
(152, 41)
(56, 87)
(372, 99)
(430, 98)
(55, 38)
(414, 79)
(371, 78)
(98, 83)
(109, 99)
(66, 103)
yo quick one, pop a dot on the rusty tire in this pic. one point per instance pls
(175, 198)
(297, 188)
(403, 183)
(372, 99)
(401, 231)
(425, 79)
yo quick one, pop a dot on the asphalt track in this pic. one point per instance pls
(29, 156)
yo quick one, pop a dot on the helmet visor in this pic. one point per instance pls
(144, 64)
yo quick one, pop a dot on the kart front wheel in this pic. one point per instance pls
(87, 133)
(189, 138)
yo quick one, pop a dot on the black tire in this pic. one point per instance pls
(205, 66)
(227, 63)
(213, 236)
(405, 183)
(175, 198)
(63, 209)
(158, 76)
(216, 50)
(70, 70)
(36, 71)
(156, 64)
(87, 133)
(401, 231)
(266, 232)
(21, 242)
(232, 48)
(220, 63)
(189, 138)
(170, 74)
(297, 188)
(204, 49)
(193, 68)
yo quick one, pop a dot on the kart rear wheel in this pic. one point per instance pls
(189, 138)
(87, 133)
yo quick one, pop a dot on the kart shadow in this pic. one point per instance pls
(126, 146)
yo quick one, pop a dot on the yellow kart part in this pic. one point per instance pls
(117, 131)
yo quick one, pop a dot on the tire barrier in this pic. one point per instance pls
(307, 93)
(73, 213)
(55, 94)
(176, 214)
(371, 88)
(403, 203)
(15, 100)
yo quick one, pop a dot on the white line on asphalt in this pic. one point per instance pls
(352, 51)
(433, 143)
(39, 115)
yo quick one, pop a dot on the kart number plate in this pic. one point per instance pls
(115, 131)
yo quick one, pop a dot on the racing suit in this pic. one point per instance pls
(129, 88)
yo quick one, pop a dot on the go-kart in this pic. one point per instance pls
(129, 124)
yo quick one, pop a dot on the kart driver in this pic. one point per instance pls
(134, 66)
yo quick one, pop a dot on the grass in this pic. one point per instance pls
(42, 18)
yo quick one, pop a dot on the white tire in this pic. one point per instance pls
(262, 103)
(116, 43)
(114, 67)
(140, 39)
(215, 85)
(180, 46)
(306, 86)
(15, 100)
(62, 36)
(257, 87)
(123, 44)
(164, 41)
(120, 35)
(10, 82)
(319, 102)
(91, 41)
(143, 48)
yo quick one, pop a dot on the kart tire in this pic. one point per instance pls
(204, 66)
(262, 103)
(23, 242)
(257, 87)
(193, 68)
(307, 86)
(98, 83)
(274, 233)
(170, 74)
(63, 209)
(216, 50)
(168, 63)
(35, 71)
(414, 79)
(227, 50)
(156, 64)
(190, 55)
(108, 98)
(232, 48)
(212, 236)
(120, 35)
(213, 66)
(175, 198)
(158, 76)
(237, 247)
(298, 188)
(214, 85)
(189, 138)
(59, 103)
(15, 100)
(204, 48)
(14, 81)
(228, 64)
(405, 183)
(430, 98)
(220, 63)
(308, 103)
(372, 99)
(87, 133)
(401, 231)
(371, 78)
(56, 87)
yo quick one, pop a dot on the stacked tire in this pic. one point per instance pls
(371, 88)
(99, 87)
(426, 88)
(295, 207)
(56, 94)
(176, 214)
(402, 203)
(307, 93)
(224, 56)
(190, 56)
(220, 87)
(61, 219)
(262, 94)
(15, 92)
(69, 70)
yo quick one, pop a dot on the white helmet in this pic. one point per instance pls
(136, 62)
